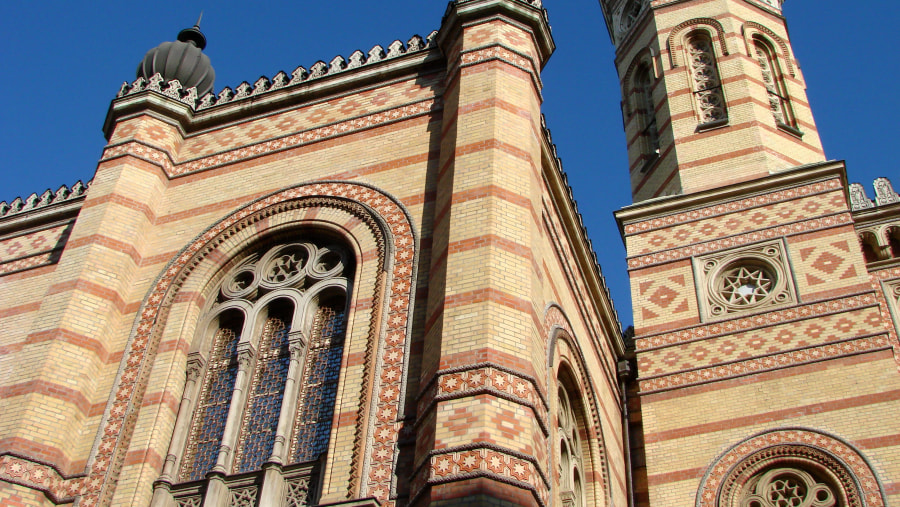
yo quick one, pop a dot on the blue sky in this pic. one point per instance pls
(64, 61)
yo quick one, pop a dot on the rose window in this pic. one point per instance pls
(747, 285)
(787, 487)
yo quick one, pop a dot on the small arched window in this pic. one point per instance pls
(893, 237)
(773, 79)
(266, 392)
(708, 95)
(646, 109)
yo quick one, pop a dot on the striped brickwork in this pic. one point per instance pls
(468, 307)
(749, 144)
(709, 382)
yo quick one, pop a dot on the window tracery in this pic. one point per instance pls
(787, 487)
(571, 462)
(268, 391)
(708, 95)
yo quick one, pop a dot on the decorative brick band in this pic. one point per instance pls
(742, 324)
(486, 378)
(483, 460)
(173, 169)
(42, 477)
(765, 363)
(732, 206)
(790, 229)
(742, 461)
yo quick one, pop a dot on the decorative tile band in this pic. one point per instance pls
(733, 206)
(486, 378)
(41, 477)
(765, 363)
(173, 169)
(483, 460)
(740, 239)
(743, 324)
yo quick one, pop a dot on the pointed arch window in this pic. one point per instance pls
(266, 392)
(773, 80)
(709, 97)
(571, 460)
(646, 108)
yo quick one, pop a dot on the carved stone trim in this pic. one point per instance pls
(48, 198)
(744, 280)
(792, 446)
(750, 27)
(716, 26)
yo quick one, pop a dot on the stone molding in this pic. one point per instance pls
(847, 463)
(388, 356)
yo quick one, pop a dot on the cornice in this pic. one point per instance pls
(670, 205)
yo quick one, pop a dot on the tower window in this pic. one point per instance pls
(773, 80)
(646, 108)
(708, 95)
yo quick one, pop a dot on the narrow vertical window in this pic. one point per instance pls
(643, 84)
(215, 399)
(772, 79)
(318, 391)
(571, 464)
(707, 86)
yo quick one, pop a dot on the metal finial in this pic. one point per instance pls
(197, 24)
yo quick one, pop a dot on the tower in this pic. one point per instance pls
(754, 309)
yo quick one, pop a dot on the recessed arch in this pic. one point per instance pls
(379, 222)
(676, 39)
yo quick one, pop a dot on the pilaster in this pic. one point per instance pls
(481, 326)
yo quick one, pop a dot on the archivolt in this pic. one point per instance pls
(203, 259)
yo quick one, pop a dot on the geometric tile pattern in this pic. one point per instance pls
(732, 207)
(731, 326)
(118, 424)
(738, 222)
(826, 265)
(664, 297)
(173, 169)
(41, 477)
(766, 363)
(739, 239)
(795, 442)
(33, 249)
(480, 460)
(739, 346)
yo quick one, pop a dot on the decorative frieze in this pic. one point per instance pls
(34, 201)
(263, 85)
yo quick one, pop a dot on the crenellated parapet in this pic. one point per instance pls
(48, 198)
(884, 195)
(281, 80)
(877, 221)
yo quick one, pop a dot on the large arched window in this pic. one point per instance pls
(265, 379)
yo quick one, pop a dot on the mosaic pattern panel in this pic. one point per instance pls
(312, 425)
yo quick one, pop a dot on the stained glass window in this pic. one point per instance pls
(312, 426)
(215, 399)
(266, 394)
